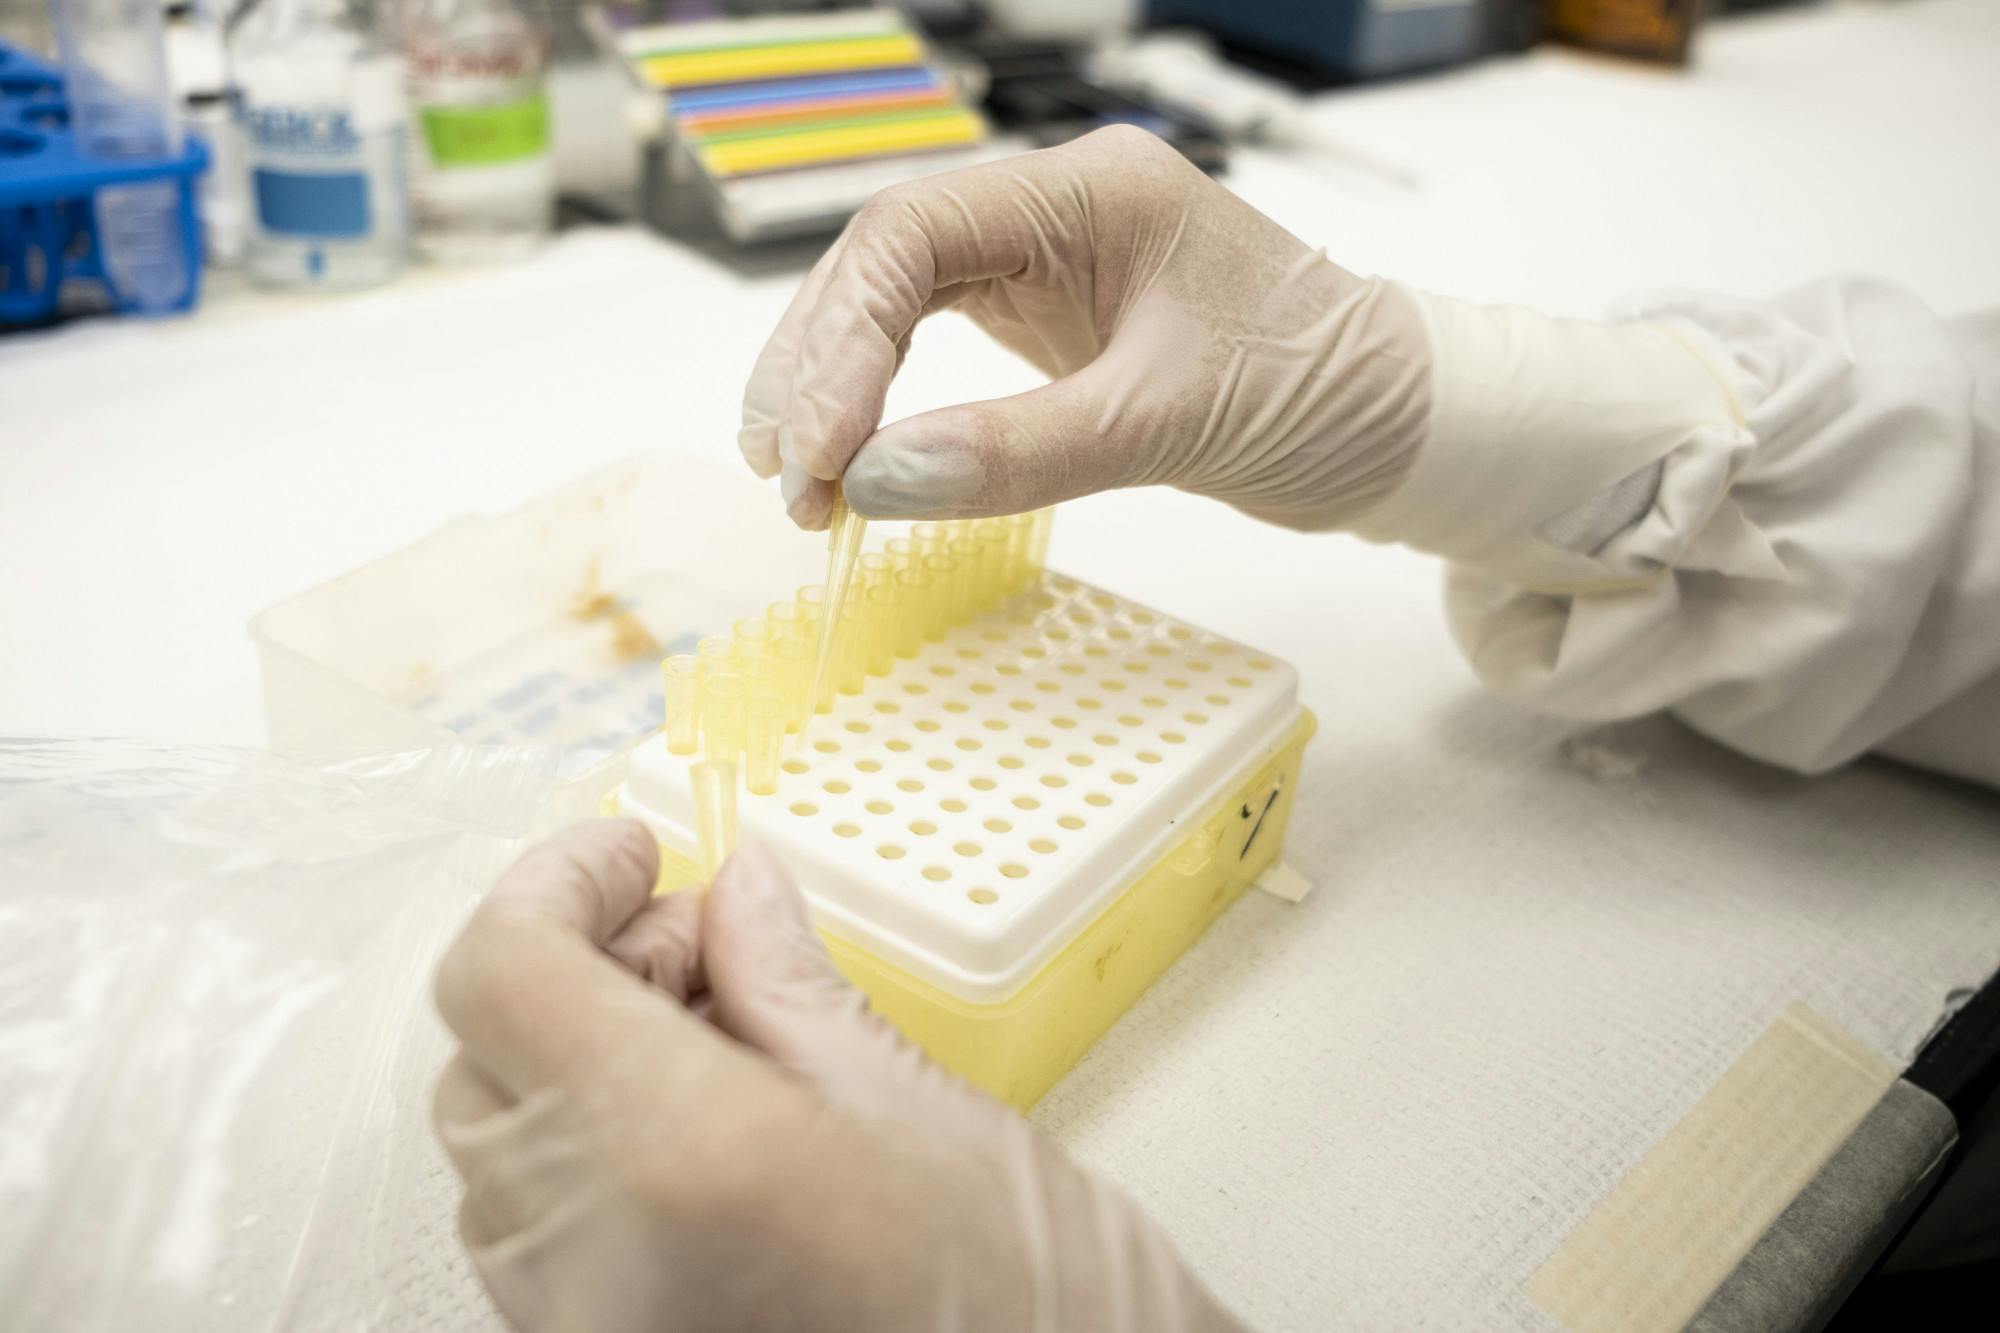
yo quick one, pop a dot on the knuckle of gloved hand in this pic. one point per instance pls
(462, 979)
(635, 852)
(583, 864)
(1137, 168)
(448, 1097)
(597, 865)
(1124, 143)
(892, 244)
(477, 989)
(888, 208)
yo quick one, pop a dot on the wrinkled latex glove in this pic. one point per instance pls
(1190, 341)
(674, 1114)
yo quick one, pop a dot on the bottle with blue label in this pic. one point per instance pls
(325, 131)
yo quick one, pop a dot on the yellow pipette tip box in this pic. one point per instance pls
(1006, 839)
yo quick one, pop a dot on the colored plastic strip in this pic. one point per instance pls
(775, 62)
(792, 150)
(807, 112)
(830, 124)
(672, 41)
(803, 90)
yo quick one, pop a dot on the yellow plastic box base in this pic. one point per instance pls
(1019, 1048)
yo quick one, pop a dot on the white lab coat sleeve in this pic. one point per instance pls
(1797, 552)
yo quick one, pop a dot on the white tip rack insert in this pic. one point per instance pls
(967, 815)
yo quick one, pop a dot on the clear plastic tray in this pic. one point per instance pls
(544, 626)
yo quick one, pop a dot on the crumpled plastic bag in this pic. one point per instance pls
(216, 1037)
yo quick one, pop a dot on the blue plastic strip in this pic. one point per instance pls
(778, 91)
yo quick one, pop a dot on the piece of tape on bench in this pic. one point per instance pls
(1650, 1254)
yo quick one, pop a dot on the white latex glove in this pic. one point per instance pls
(1194, 342)
(1190, 339)
(673, 1114)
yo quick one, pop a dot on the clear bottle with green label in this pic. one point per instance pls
(477, 70)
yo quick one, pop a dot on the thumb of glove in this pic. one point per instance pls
(773, 986)
(1003, 456)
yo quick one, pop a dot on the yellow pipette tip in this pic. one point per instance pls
(714, 782)
(845, 529)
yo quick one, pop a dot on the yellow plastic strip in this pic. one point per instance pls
(770, 62)
(1654, 1250)
(794, 150)
(861, 120)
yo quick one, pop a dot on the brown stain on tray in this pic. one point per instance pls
(630, 639)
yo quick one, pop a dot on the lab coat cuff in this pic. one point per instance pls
(1533, 417)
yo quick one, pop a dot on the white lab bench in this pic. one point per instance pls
(1532, 946)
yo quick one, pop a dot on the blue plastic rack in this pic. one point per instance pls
(48, 229)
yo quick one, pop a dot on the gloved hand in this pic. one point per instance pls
(1194, 342)
(1190, 339)
(675, 1114)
